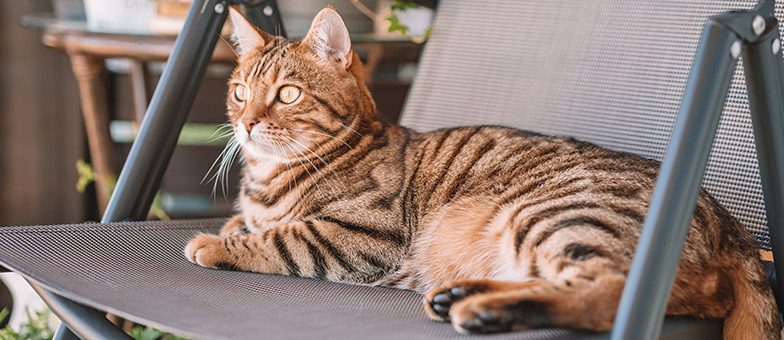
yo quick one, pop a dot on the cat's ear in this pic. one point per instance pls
(246, 36)
(328, 38)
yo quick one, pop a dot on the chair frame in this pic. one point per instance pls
(751, 33)
(725, 37)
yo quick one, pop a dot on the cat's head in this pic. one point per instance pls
(288, 97)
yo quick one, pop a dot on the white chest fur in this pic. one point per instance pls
(259, 216)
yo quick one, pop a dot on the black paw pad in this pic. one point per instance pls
(442, 302)
(487, 321)
(458, 292)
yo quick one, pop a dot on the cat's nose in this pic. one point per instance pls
(248, 123)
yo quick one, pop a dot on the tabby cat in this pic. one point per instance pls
(501, 229)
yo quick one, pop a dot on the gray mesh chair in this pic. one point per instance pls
(606, 71)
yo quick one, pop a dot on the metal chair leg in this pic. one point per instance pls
(79, 320)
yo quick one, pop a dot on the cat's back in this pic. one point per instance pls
(492, 160)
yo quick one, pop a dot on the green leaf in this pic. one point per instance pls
(36, 327)
(86, 175)
(149, 333)
(145, 333)
(8, 334)
(4, 314)
(402, 5)
(157, 208)
(395, 25)
(172, 337)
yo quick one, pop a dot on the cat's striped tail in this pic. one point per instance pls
(755, 315)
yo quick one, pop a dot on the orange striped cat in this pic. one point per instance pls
(501, 229)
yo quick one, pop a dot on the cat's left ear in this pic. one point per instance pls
(328, 38)
(246, 36)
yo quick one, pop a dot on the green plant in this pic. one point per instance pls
(394, 22)
(395, 25)
(36, 327)
(148, 333)
(87, 176)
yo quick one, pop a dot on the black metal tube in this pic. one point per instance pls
(64, 333)
(265, 15)
(764, 71)
(169, 108)
(151, 151)
(84, 321)
(641, 310)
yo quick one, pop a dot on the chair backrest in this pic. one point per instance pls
(610, 72)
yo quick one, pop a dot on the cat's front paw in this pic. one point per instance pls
(234, 226)
(439, 301)
(207, 251)
(478, 315)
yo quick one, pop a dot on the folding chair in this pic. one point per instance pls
(611, 72)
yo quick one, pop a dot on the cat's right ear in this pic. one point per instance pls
(246, 36)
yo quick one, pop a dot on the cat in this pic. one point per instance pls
(499, 228)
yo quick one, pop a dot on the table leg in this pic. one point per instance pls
(138, 75)
(92, 91)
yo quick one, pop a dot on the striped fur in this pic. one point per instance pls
(501, 229)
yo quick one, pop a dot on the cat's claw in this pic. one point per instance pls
(241, 231)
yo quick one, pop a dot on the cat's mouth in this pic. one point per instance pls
(276, 143)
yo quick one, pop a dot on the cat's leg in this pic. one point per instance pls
(487, 306)
(579, 278)
(439, 301)
(311, 248)
(580, 274)
(575, 273)
(589, 306)
(234, 226)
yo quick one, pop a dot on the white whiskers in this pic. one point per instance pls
(282, 147)
(322, 134)
(350, 129)
(223, 162)
(306, 148)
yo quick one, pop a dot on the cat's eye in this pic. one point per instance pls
(241, 93)
(288, 94)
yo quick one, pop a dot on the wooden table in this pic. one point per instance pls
(88, 50)
(87, 53)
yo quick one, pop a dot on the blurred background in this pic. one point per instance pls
(77, 76)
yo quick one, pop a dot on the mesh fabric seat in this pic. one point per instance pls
(136, 270)
(605, 71)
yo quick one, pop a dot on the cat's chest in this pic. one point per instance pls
(264, 202)
(261, 216)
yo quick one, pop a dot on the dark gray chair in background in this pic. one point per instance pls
(629, 75)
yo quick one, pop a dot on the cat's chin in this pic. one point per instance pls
(257, 146)
(265, 153)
